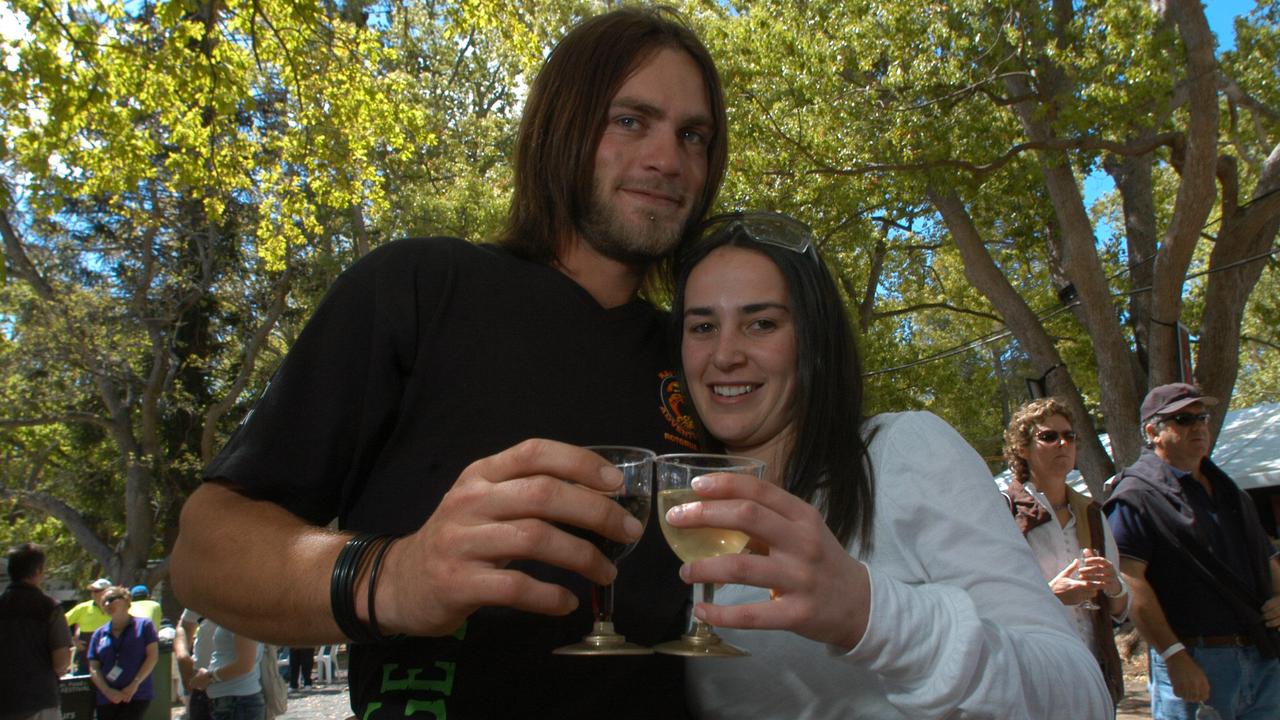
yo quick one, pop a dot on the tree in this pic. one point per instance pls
(976, 123)
(179, 183)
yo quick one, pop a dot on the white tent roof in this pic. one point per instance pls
(1248, 449)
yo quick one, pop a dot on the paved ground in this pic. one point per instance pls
(320, 702)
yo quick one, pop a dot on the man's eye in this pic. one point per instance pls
(693, 137)
(700, 328)
(628, 122)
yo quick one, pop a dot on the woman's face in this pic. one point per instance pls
(738, 347)
(1046, 459)
(116, 604)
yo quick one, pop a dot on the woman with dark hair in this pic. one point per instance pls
(880, 544)
(1066, 531)
(122, 655)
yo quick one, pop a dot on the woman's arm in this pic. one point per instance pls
(950, 611)
(144, 671)
(246, 660)
(100, 682)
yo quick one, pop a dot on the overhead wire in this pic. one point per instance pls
(998, 335)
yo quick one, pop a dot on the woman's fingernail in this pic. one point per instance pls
(684, 573)
(700, 483)
(677, 512)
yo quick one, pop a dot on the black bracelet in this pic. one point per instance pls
(342, 585)
(373, 587)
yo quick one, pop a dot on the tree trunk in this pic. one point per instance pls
(983, 273)
(1082, 265)
(1236, 262)
(1196, 165)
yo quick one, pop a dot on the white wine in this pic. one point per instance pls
(692, 544)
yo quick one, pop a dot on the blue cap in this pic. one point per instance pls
(139, 591)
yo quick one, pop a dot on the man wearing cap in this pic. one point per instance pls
(84, 619)
(1205, 578)
(141, 605)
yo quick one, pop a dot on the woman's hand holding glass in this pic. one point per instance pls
(1082, 579)
(817, 590)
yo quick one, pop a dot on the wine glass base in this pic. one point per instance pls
(700, 646)
(603, 641)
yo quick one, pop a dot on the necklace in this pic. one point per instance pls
(1059, 506)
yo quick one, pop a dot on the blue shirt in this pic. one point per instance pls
(1190, 603)
(127, 651)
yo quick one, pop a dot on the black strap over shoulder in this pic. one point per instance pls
(1239, 597)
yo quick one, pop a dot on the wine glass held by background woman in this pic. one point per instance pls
(1066, 531)
(881, 545)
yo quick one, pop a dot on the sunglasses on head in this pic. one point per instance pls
(1186, 419)
(768, 228)
(1052, 436)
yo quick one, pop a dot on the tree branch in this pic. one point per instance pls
(935, 306)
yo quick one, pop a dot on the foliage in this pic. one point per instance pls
(180, 181)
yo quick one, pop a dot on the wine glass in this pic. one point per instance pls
(635, 495)
(1088, 604)
(675, 473)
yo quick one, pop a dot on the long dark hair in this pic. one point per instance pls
(829, 464)
(554, 159)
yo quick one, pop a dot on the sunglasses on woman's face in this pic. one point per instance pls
(1187, 419)
(111, 598)
(1050, 437)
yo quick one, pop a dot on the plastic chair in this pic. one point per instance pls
(324, 664)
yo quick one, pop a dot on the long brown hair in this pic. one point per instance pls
(555, 150)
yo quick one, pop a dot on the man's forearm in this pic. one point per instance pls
(1148, 616)
(255, 568)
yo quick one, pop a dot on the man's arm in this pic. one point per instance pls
(1271, 608)
(1189, 681)
(183, 641)
(61, 659)
(501, 508)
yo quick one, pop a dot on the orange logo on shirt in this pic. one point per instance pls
(673, 401)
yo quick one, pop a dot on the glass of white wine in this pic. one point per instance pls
(1088, 604)
(675, 475)
(636, 496)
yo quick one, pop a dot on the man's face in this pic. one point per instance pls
(1181, 445)
(97, 596)
(651, 163)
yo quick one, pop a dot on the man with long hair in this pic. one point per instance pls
(405, 410)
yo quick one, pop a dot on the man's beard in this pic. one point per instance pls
(636, 243)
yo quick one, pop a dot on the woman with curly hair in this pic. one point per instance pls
(1065, 529)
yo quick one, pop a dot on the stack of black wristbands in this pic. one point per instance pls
(342, 587)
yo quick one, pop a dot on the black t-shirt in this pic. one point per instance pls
(424, 357)
(31, 628)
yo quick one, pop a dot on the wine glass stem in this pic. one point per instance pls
(704, 593)
(602, 602)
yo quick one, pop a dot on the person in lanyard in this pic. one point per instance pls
(122, 655)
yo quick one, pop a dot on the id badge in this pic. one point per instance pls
(115, 673)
